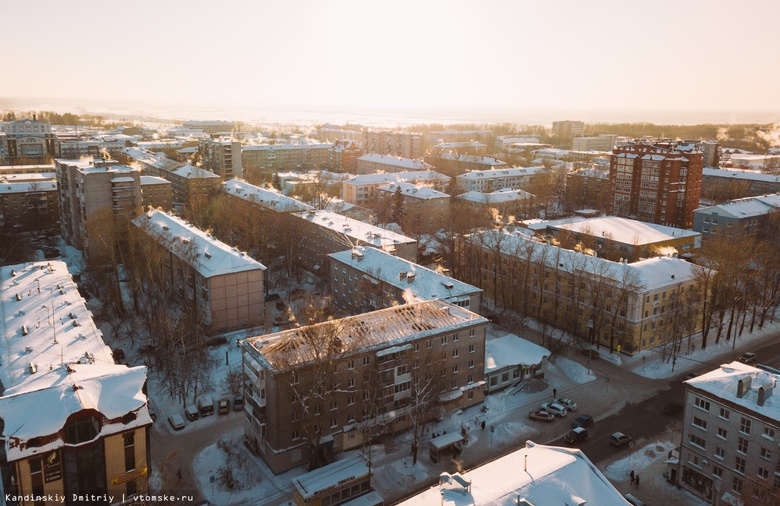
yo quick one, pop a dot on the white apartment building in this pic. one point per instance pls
(495, 179)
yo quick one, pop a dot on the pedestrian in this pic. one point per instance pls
(555, 392)
(178, 473)
(636, 480)
(483, 425)
(632, 476)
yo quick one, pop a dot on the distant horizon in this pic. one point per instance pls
(301, 115)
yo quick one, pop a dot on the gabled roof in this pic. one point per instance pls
(744, 208)
(191, 172)
(392, 177)
(405, 163)
(271, 199)
(498, 173)
(497, 197)
(512, 350)
(413, 190)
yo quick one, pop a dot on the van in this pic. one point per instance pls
(191, 412)
(205, 406)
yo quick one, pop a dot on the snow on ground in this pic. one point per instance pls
(401, 474)
(573, 371)
(212, 461)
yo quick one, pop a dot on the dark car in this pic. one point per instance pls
(582, 421)
(672, 408)
(590, 353)
(748, 358)
(576, 435)
(238, 403)
(223, 406)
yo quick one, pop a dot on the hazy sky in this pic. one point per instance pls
(710, 55)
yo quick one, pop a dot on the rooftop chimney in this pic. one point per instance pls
(764, 393)
(743, 386)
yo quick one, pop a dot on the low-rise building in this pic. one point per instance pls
(265, 159)
(225, 285)
(373, 162)
(495, 179)
(27, 141)
(271, 200)
(424, 210)
(363, 190)
(721, 185)
(344, 155)
(363, 369)
(475, 148)
(28, 206)
(211, 127)
(729, 452)
(603, 142)
(366, 279)
(73, 423)
(516, 203)
(156, 193)
(550, 475)
(737, 216)
(453, 164)
(510, 360)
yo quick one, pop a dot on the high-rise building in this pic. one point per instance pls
(656, 182)
(222, 156)
(403, 144)
(568, 129)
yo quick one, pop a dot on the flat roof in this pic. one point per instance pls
(213, 257)
(496, 197)
(392, 177)
(511, 350)
(622, 230)
(497, 173)
(320, 480)
(28, 187)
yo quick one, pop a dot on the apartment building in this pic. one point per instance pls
(156, 193)
(568, 128)
(366, 279)
(324, 232)
(191, 184)
(439, 136)
(729, 452)
(403, 144)
(91, 192)
(586, 188)
(373, 162)
(516, 203)
(424, 210)
(225, 285)
(737, 216)
(721, 185)
(211, 127)
(265, 159)
(72, 421)
(453, 164)
(363, 190)
(344, 155)
(365, 367)
(27, 141)
(474, 148)
(495, 179)
(270, 200)
(630, 305)
(657, 183)
(97, 146)
(222, 156)
(603, 142)
(28, 206)
(337, 134)
(8, 170)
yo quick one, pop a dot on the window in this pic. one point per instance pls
(351, 383)
(697, 441)
(472, 348)
(81, 430)
(429, 344)
(472, 333)
(723, 433)
(455, 369)
(295, 378)
(769, 433)
(742, 445)
(744, 425)
(455, 338)
(724, 413)
(129, 440)
(720, 453)
(350, 364)
(767, 454)
(317, 410)
(698, 422)
(443, 339)
(702, 404)
(455, 353)
(296, 434)
(416, 347)
(763, 473)
(334, 405)
(454, 384)
(717, 471)
(739, 465)
(334, 422)
(737, 486)
(471, 364)
(366, 360)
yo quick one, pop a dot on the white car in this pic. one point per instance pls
(567, 403)
(176, 421)
(555, 408)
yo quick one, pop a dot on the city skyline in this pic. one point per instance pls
(701, 59)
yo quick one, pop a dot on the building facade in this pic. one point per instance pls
(222, 156)
(403, 144)
(265, 159)
(156, 193)
(453, 164)
(28, 141)
(374, 162)
(604, 142)
(495, 179)
(28, 206)
(729, 451)
(568, 128)
(423, 210)
(721, 185)
(364, 190)
(658, 183)
(737, 216)
(365, 370)
(344, 155)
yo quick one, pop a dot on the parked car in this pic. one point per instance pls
(191, 412)
(619, 439)
(567, 403)
(748, 358)
(205, 406)
(672, 408)
(590, 353)
(555, 409)
(223, 406)
(176, 421)
(582, 421)
(541, 415)
(238, 403)
(576, 435)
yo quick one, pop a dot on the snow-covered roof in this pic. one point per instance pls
(40, 305)
(391, 177)
(397, 161)
(151, 180)
(723, 382)
(5, 169)
(365, 332)
(209, 256)
(650, 274)
(745, 208)
(313, 483)
(414, 190)
(122, 180)
(34, 177)
(189, 150)
(512, 350)
(540, 474)
(271, 199)
(471, 158)
(191, 172)
(354, 229)
(497, 197)
(41, 406)
(425, 283)
(741, 174)
(283, 147)
(498, 173)
(622, 230)
(35, 186)
(460, 144)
